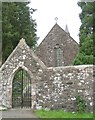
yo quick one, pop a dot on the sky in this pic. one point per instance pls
(67, 12)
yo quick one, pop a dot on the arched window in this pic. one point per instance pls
(58, 56)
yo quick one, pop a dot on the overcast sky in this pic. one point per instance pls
(67, 12)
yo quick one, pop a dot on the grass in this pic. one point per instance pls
(61, 114)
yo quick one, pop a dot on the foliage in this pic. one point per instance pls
(81, 104)
(61, 114)
(85, 55)
(83, 59)
(94, 32)
(17, 23)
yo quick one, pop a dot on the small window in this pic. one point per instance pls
(58, 56)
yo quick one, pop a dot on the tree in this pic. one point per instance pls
(85, 55)
(94, 32)
(17, 23)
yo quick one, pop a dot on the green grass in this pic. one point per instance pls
(61, 114)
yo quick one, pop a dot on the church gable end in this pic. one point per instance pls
(67, 47)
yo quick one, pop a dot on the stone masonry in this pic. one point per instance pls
(21, 57)
(57, 38)
(52, 87)
(60, 86)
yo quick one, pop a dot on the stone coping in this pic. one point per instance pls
(75, 66)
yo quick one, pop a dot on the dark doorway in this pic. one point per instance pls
(21, 90)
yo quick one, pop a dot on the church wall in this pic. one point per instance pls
(57, 37)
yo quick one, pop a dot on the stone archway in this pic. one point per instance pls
(22, 57)
(33, 85)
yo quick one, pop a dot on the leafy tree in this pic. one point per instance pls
(85, 55)
(17, 23)
(94, 32)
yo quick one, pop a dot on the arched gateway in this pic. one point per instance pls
(20, 74)
(21, 90)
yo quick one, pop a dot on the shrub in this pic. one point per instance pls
(80, 104)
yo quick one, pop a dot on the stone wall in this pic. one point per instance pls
(52, 87)
(59, 87)
(22, 57)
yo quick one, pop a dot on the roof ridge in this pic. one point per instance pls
(56, 24)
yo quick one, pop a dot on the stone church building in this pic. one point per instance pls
(46, 78)
(58, 48)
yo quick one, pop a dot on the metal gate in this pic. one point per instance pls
(21, 90)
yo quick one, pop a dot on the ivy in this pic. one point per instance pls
(80, 104)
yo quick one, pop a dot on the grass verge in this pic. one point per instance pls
(61, 114)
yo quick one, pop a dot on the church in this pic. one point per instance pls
(58, 48)
(47, 78)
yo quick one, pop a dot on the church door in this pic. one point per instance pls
(21, 90)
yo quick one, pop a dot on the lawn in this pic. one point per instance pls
(61, 114)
